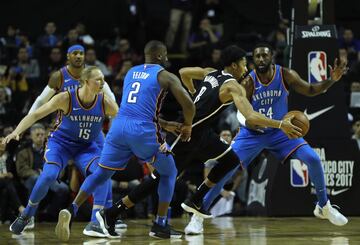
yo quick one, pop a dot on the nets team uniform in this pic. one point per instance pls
(205, 143)
(271, 100)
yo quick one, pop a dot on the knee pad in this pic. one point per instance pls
(225, 164)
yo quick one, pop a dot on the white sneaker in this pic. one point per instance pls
(195, 225)
(330, 213)
(31, 224)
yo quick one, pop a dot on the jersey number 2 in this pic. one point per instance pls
(133, 93)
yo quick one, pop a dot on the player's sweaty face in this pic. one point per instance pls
(76, 58)
(262, 59)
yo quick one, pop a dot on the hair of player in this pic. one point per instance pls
(153, 46)
(232, 54)
(86, 73)
(37, 126)
(264, 45)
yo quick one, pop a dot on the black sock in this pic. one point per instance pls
(118, 208)
(199, 194)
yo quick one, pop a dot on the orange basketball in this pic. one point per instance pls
(300, 120)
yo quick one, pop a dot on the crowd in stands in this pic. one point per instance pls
(26, 62)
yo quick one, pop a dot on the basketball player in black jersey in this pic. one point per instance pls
(218, 90)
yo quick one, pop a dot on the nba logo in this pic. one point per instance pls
(317, 66)
(299, 174)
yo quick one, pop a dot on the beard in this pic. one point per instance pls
(263, 68)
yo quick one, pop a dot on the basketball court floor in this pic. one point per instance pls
(226, 230)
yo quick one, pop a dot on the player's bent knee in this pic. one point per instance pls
(225, 164)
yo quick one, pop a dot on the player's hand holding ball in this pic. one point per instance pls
(299, 120)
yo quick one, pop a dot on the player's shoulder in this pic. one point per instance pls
(55, 80)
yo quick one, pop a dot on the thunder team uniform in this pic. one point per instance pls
(75, 134)
(69, 82)
(270, 100)
(135, 129)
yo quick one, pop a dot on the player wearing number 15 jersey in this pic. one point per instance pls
(80, 115)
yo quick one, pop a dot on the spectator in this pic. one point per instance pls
(352, 46)
(202, 41)
(72, 38)
(50, 38)
(181, 10)
(83, 35)
(91, 60)
(30, 67)
(214, 62)
(356, 130)
(29, 163)
(9, 45)
(213, 10)
(55, 63)
(6, 108)
(25, 42)
(119, 78)
(10, 200)
(123, 52)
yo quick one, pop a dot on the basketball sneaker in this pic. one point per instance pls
(31, 224)
(107, 224)
(330, 213)
(164, 232)
(93, 229)
(18, 226)
(119, 224)
(191, 207)
(62, 229)
(195, 225)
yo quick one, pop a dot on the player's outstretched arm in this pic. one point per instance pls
(235, 92)
(111, 107)
(303, 87)
(58, 102)
(48, 92)
(169, 81)
(187, 74)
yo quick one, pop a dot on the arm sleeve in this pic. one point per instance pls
(108, 92)
(241, 118)
(44, 97)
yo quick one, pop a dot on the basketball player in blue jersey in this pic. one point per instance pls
(219, 90)
(136, 131)
(267, 89)
(65, 79)
(81, 113)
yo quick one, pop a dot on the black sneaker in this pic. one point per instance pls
(158, 231)
(191, 207)
(164, 232)
(107, 224)
(63, 226)
(18, 226)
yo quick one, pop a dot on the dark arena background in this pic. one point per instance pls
(269, 202)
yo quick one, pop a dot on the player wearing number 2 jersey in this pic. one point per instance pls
(267, 90)
(80, 115)
(136, 131)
